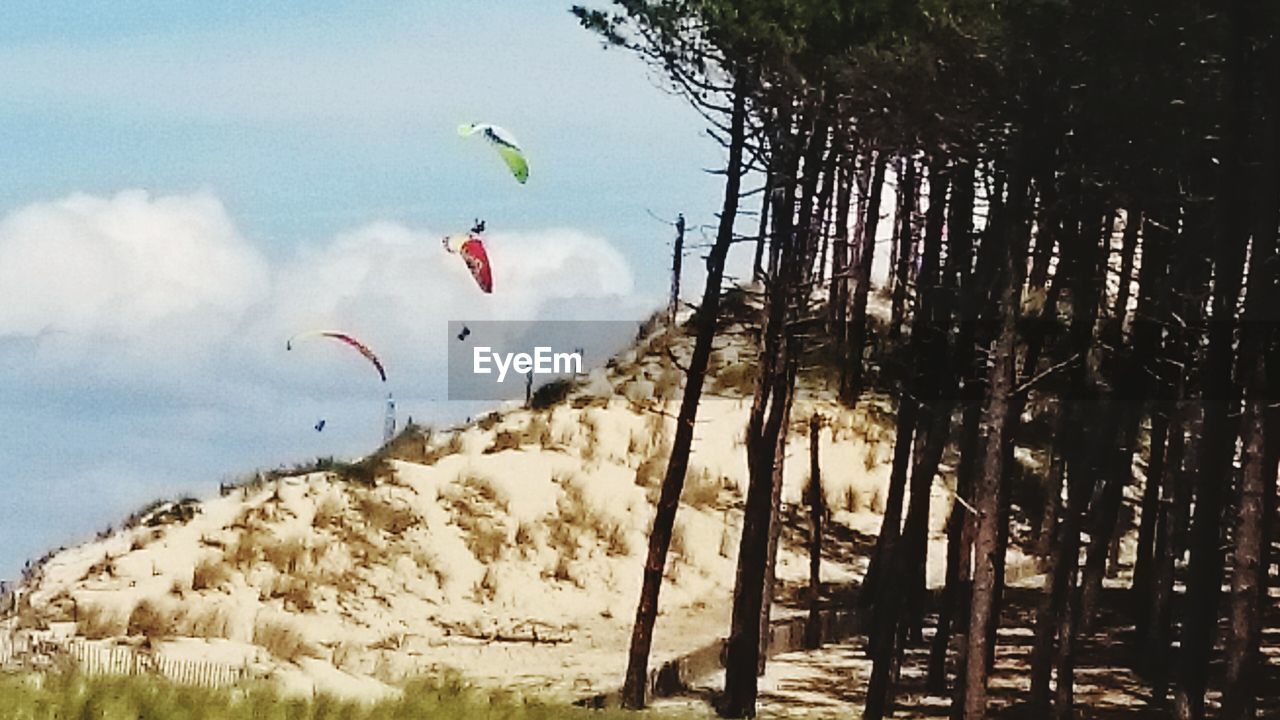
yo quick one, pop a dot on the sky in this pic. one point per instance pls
(186, 184)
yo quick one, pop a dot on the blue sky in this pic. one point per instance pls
(186, 183)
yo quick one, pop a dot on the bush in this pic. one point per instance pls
(210, 574)
(282, 639)
(701, 490)
(504, 440)
(386, 515)
(149, 620)
(368, 471)
(96, 622)
(67, 695)
(552, 393)
(411, 445)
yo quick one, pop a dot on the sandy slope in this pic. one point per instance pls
(519, 566)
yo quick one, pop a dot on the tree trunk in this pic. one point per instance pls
(677, 260)
(769, 410)
(852, 371)
(775, 533)
(817, 509)
(743, 648)
(636, 685)
(1129, 245)
(838, 299)
(982, 611)
(956, 280)
(891, 523)
(757, 265)
(904, 242)
(1227, 246)
(1250, 563)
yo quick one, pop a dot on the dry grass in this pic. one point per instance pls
(294, 591)
(505, 440)
(247, 549)
(667, 386)
(701, 489)
(591, 444)
(739, 379)
(537, 432)
(329, 513)
(650, 472)
(96, 622)
(210, 574)
(477, 510)
(282, 639)
(150, 620)
(386, 515)
(551, 394)
(452, 446)
(208, 623)
(287, 554)
(578, 518)
(411, 445)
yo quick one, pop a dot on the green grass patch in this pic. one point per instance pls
(34, 697)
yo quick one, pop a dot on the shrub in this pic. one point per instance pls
(651, 471)
(504, 440)
(282, 639)
(410, 445)
(294, 591)
(538, 432)
(368, 471)
(214, 622)
(329, 513)
(738, 378)
(551, 393)
(96, 622)
(701, 490)
(210, 574)
(285, 554)
(149, 620)
(386, 515)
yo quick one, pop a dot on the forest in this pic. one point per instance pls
(1083, 260)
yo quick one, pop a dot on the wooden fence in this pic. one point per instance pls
(25, 651)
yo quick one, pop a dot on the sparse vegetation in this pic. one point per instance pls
(386, 515)
(504, 440)
(551, 393)
(150, 620)
(210, 622)
(738, 378)
(210, 573)
(282, 639)
(701, 488)
(412, 444)
(65, 695)
(97, 622)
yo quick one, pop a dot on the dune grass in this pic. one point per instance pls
(139, 698)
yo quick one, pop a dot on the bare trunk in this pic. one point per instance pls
(903, 244)
(775, 532)
(817, 509)
(852, 370)
(1227, 247)
(989, 491)
(635, 688)
(677, 259)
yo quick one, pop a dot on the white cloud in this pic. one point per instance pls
(134, 292)
(121, 266)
